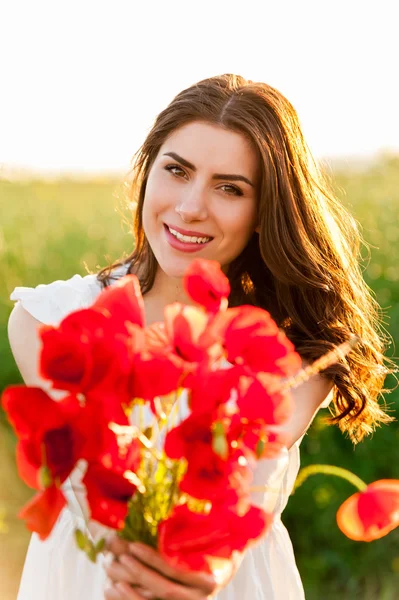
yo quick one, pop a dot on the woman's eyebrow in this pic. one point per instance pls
(189, 165)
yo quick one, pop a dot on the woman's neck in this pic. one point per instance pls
(165, 290)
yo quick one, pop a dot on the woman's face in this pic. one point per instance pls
(202, 185)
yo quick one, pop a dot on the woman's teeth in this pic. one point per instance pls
(187, 238)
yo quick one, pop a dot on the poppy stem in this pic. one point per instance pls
(329, 470)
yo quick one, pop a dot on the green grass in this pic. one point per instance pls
(52, 230)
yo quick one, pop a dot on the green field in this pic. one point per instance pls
(52, 230)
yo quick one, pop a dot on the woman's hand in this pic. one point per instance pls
(138, 571)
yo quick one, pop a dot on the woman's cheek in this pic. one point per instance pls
(153, 208)
(160, 202)
(232, 244)
(240, 227)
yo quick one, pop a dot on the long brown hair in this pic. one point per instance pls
(303, 266)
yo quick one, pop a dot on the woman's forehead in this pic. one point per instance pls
(210, 145)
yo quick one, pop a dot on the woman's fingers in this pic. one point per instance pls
(115, 591)
(156, 583)
(112, 593)
(116, 571)
(131, 575)
(128, 593)
(153, 559)
(122, 591)
(116, 545)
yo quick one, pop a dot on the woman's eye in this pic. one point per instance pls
(172, 168)
(235, 191)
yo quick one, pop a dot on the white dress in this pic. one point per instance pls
(56, 570)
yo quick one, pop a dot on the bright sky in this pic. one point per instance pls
(83, 80)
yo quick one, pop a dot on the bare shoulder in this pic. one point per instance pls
(25, 343)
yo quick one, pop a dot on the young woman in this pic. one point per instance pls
(224, 174)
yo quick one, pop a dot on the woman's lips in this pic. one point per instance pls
(191, 233)
(183, 246)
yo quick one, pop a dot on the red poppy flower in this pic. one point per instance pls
(41, 513)
(154, 374)
(189, 540)
(55, 435)
(186, 328)
(371, 514)
(205, 283)
(108, 494)
(47, 430)
(182, 440)
(211, 389)
(85, 354)
(253, 340)
(208, 476)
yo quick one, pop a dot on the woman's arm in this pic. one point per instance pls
(307, 400)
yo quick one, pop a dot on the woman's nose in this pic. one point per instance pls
(193, 207)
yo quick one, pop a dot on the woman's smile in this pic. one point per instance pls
(185, 243)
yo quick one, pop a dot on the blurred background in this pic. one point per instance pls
(82, 84)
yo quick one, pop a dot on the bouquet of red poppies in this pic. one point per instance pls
(178, 483)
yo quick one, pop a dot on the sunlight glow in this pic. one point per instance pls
(85, 80)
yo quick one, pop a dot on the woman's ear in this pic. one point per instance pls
(257, 228)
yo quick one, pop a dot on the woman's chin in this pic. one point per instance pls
(175, 271)
(174, 266)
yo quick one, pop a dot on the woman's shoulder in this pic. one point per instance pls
(49, 303)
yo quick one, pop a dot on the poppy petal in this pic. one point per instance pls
(205, 282)
(42, 512)
(124, 302)
(29, 462)
(108, 494)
